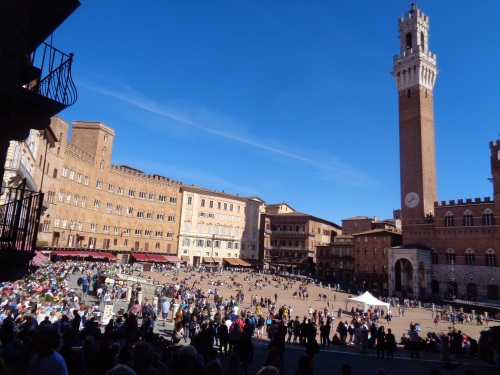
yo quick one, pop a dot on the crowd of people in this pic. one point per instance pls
(48, 325)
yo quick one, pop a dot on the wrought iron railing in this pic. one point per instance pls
(19, 219)
(55, 80)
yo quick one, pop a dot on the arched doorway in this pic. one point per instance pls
(471, 291)
(493, 292)
(403, 273)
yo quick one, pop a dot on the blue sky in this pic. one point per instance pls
(286, 100)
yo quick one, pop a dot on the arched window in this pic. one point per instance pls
(451, 257)
(488, 218)
(470, 258)
(468, 220)
(434, 257)
(422, 40)
(491, 258)
(408, 41)
(449, 219)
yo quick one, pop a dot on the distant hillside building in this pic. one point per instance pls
(358, 224)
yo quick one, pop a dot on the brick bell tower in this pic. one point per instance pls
(415, 73)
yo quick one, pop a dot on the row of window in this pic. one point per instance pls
(211, 215)
(217, 244)
(120, 190)
(129, 211)
(78, 225)
(216, 254)
(211, 204)
(468, 219)
(490, 258)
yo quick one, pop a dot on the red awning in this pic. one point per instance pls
(108, 255)
(71, 253)
(141, 257)
(157, 258)
(39, 258)
(173, 258)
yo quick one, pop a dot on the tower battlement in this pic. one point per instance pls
(461, 202)
(132, 172)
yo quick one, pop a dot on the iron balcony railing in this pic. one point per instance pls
(19, 219)
(51, 70)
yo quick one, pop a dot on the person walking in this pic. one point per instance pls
(414, 341)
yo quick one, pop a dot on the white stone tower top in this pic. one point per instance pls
(416, 65)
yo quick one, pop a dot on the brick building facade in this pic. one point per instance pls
(449, 248)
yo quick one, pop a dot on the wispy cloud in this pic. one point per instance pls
(130, 96)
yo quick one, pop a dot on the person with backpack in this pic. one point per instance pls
(235, 333)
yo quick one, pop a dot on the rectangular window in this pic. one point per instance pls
(61, 196)
(162, 198)
(211, 215)
(149, 215)
(84, 202)
(96, 205)
(111, 188)
(209, 228)
(140, 214)
(79, 178)
(173, 200)
(86, 180)
(118, 209)
(147, 233)
(109, 207)
(199, 243)
(231, 207)
(68, 198)
(158, 234)
(157, 246)
(126, 232)
(200, 228)
(131, 193)
(142, 195)
(187, 226)
(72, 175)
(171, 218)
(98, 184)
(93, 227)
(105, 229)
(185, 242)
(75, 200)
(219, 205)
(160, 216)
(238, 208)
(190, 200)
(170, 235)
(225, 206)
(120, 190)
(65, 171)
(151, 196)
(125, 242)
(130, 211)
(138, 232)
(211, 204)
(116, 231)
(202, 202)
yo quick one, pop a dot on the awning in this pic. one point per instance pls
(253, 262)
(217, 260)
(108, 255)
(39, 258)
(141, 257)
(208, 260)
(242, 263)
(231, 261)
(157, 258)
(173, 258)
(70, 253)
(185, 258)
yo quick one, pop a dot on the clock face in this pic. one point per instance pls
(412, 199)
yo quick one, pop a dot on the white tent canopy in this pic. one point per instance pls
(367, 299)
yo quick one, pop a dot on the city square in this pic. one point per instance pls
(202, 210)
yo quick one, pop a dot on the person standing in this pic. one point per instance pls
(165, 309)
(380, 341)
(414, 341)
(390, 343)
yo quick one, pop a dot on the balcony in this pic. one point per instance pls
(289, 233)
(20, 173)
(45, 86)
